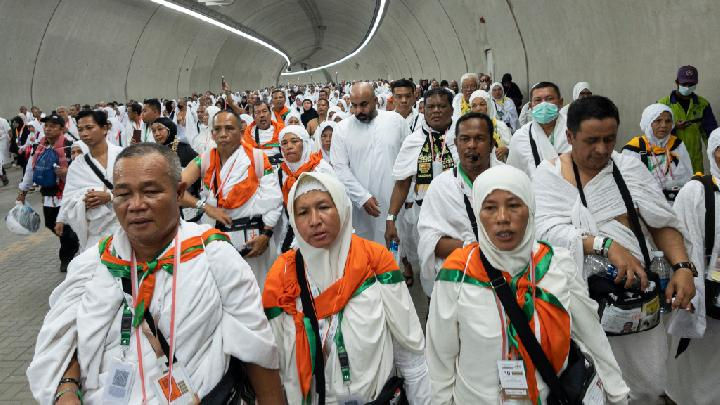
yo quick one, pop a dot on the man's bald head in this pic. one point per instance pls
(362, 98)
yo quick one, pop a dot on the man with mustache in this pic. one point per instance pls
(363, 152)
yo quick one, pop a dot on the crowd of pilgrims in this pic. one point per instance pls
(285, 227)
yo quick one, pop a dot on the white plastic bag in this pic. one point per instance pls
(22, 219)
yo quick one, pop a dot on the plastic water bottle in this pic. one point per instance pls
(601, 266)
(395, 250)
(662, 268)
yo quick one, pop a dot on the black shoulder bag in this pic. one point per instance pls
(570, 387)
(627, 304)
(97, 172)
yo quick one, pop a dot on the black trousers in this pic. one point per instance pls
(69, 244)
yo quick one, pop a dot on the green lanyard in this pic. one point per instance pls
(464, 176)
(342, 353)
(125, 325)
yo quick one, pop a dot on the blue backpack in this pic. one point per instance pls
(44, 171)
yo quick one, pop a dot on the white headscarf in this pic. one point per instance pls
(318, 138)
(82, 145)
(508, 178)
(299, 132)
(247, 118)
(498, 84)
(713, 143)
(211, 112)
(579, 87)
(292, 113)
(488, 100)
(650, 114)
(325, 265)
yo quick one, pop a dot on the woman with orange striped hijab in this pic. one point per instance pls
(299, 156)
(342, 316)
(465, 313)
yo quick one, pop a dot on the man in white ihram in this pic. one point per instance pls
(363, 153)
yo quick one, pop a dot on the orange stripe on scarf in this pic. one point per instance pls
(249, 135)
(242, 191)
(279, 116)
(554, 321)
(365, 259)
(292, 177)
(147, 287)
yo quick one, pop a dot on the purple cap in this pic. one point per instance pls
(687, 74)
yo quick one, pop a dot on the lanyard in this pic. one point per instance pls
(218, 191)
(432, 145)
(135, 286)
(659, 172)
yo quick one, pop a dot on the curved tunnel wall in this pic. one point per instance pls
(62, 51)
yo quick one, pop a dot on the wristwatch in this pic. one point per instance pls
(200, 204)
(391, 217)
(686, 265)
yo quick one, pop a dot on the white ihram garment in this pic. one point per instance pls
(363, 155)
(218, 315)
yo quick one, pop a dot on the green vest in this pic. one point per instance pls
(693, 134)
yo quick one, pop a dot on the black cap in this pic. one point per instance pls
(53, 119)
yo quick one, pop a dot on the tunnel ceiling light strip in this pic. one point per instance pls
(221, 25)
(369, 37)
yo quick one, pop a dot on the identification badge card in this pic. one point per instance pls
(182, 392)
(437, 168)
(119, 383)
(595, 395)
(512, 379)
(349, 399)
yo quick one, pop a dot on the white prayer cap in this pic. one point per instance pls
(508, 178)
(650, 114)
(579, 87)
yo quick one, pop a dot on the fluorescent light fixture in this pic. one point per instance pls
(370, 36)
(218, 24)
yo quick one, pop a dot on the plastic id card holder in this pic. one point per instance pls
(437, 168)
(119, 382)
(595, 395)
(513, 385)
(350, 399)
(182, 392)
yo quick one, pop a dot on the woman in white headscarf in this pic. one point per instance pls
(504, 106)
(323, 140)
(692, 376)
(580, 90)
(464, 314)
(299, 156)
(364, 311)
(664, 154)
(293, 118)
(481, 102)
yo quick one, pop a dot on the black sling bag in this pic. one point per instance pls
(606, 292)
(573, 383)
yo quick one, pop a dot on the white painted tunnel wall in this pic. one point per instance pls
(62, 51)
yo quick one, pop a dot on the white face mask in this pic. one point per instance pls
(687, 90)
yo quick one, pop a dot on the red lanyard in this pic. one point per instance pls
(135, 285)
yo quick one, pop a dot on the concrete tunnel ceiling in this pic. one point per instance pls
(62, 51)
